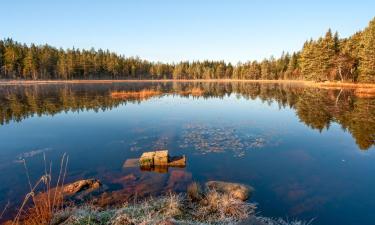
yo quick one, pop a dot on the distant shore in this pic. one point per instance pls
(327, 84)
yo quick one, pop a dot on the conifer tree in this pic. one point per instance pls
(2, 52)
(30, 63)
(367, 54)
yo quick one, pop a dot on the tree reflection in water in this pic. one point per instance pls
(315, 107)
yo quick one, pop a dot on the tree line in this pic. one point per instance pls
(327, 58)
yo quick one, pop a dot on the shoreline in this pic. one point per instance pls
(328, 84)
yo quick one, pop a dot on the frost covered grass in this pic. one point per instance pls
(213, 208)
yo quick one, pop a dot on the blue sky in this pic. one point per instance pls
(174, 30)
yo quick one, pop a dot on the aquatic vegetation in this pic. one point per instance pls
(31, 154)
(206, 139)
(148, 142)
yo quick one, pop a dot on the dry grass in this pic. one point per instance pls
(194, 192)
(214, 208)
(41, 208)
(331, 84)
(140, 95)
(217, 206)
(4, 210)
(365, 92)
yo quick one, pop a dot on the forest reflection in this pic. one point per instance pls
(315, 107)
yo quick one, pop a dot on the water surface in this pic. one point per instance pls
(309, 153)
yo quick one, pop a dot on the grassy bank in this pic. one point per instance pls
(196, 206)
(181, 209)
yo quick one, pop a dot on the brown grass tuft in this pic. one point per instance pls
(41, 208)
(222, 206)
(194, 192)
(172, 207)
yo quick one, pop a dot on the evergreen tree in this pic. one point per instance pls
(326, 56)
(367, 55)
(292, 68)
(30, 63)
(308, 61)
(2, 52)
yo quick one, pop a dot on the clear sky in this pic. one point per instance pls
(174, 30)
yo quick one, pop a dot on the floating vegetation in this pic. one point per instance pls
(31, 154)
(217, 139)
(148, 142)
(206, 139)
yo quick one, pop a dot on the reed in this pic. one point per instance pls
(40, 208)
(4, 210)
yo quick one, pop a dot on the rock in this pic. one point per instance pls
(178, 180)
(151, 160)
(81, 185)
(147, 159)
(77, 191)
(178, 161)
(130, 163)
(161, 158)
(125, 179)
(239, 191)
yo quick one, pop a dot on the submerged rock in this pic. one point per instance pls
(130, 163)
(238, 191)
(77, 187)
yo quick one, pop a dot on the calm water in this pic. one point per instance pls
(309, 153)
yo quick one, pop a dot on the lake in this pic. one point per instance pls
(309, 153)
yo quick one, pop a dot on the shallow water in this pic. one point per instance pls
(309, 153)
